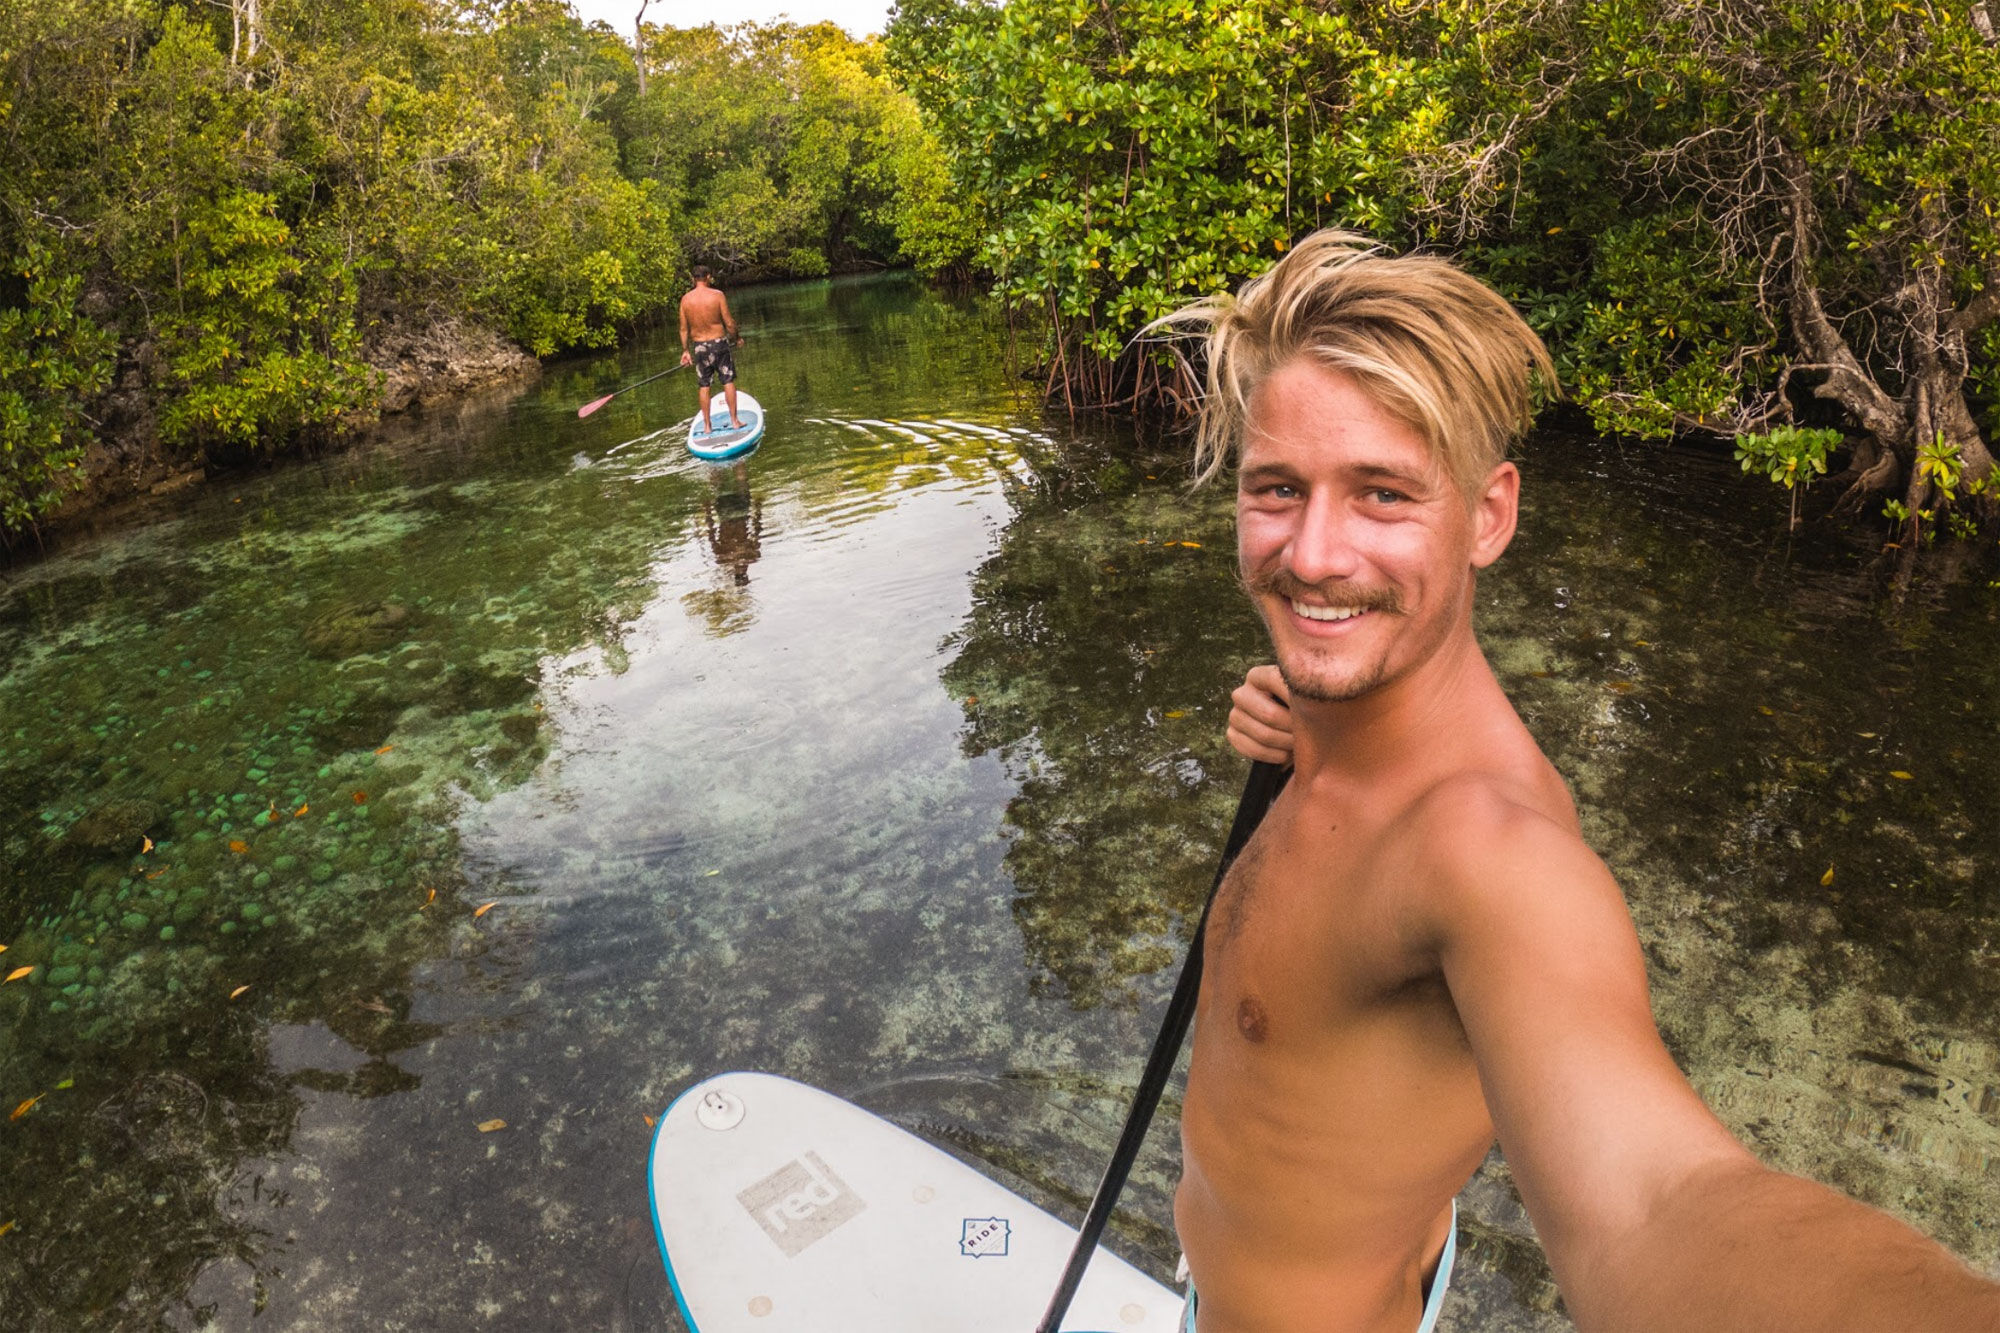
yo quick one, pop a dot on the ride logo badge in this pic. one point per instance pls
(984, 1238)
(800, 1202)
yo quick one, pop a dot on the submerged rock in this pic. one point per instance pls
(356, 627)
(115, 826)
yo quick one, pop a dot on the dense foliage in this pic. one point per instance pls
(1741, 216)
(791, 147)
(213, 216)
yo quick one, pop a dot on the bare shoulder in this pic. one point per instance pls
(1507, 846)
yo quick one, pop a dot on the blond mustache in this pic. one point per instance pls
(1341, 596)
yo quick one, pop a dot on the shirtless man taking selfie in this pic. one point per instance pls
(1417, 953)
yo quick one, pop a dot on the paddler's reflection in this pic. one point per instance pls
(734, 520)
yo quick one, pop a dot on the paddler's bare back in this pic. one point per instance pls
(1333, 1106)
(706, 313)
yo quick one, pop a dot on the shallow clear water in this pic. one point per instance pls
(890, 761)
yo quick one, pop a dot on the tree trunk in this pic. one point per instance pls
(639, 44)
(1932, 407)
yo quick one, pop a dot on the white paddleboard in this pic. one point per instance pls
(783, 1209)
(723, 443)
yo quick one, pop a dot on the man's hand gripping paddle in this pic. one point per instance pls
(1266, 781)
(596, 403)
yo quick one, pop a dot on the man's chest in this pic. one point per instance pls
(1315, 928)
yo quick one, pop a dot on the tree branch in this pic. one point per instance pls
(1980, 311)
(1848, 382)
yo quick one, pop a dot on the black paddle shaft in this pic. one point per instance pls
(1266, 781)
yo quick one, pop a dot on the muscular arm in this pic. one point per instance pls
(1654, 1217)
(729, 322)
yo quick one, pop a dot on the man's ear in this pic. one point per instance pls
(1494, 512)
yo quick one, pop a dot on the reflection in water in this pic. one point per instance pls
(732, 520)
(1096, 663)
(804, 837)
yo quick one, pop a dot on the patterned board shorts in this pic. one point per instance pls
(712, 359)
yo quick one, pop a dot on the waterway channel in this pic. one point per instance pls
(528, 770)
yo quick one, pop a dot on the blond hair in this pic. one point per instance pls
(1430, 343)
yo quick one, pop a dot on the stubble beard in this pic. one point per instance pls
(1300, 677)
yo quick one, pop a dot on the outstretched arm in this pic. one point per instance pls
(1654, 1217)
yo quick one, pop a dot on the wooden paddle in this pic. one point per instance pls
(1266, 781)
(596, 403)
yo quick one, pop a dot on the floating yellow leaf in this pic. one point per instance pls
(488, 1126)
(300, 811)
(1866, 735)
(1552, 231)
(20, 972)
(484, 908)
(431, 898)
(384, 749)
(157, 873)
(3, 948)
(650, 1122)
(361, 798)
(1899, 773)
(1827, 878)
(238, 991)
(6, 1227)
(1620, 686)
(26, 1106)
(145, 844)
(1766, 710)
(238, 845)
(1192, 546)
(65, 1085)
(1178, 712)
(1641, 643)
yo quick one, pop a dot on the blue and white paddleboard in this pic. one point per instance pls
(722, 443)
(783, 1209)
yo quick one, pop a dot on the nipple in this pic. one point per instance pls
(1251, 1020)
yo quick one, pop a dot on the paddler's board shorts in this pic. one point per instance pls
(1433, 1303)
(712, 359)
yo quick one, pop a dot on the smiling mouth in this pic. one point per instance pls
(1311, 612)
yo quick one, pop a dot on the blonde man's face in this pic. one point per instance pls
(1354, 545)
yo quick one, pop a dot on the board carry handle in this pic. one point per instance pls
(1262, 788)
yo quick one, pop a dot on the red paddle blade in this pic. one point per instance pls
(593, 405)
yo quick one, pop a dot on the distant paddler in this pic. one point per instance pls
(708, 333)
